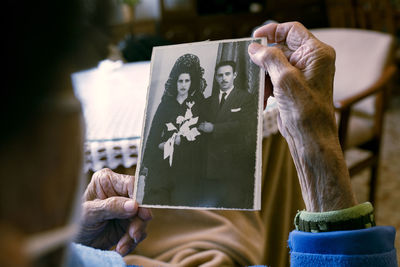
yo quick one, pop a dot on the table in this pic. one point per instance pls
(113, 96)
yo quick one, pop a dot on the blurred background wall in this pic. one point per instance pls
(147, 23)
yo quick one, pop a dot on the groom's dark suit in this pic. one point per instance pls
(231, 149)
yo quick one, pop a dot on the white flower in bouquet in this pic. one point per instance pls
(184, 128)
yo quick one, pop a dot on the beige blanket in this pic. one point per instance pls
(229, 238)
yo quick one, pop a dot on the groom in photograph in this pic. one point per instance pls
(230, 130)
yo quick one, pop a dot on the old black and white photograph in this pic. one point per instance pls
(201, 139)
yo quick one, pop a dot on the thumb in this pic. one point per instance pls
(274, 61)
(100, 210)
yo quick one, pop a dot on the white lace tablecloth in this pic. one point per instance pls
(113, 97)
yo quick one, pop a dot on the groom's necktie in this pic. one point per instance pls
(222, 100)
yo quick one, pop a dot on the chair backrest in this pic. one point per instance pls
(361, 57)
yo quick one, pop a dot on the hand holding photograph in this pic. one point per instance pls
(201, 138)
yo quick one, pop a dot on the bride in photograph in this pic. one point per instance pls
(173, 161)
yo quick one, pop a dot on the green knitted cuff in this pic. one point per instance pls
(357, 217)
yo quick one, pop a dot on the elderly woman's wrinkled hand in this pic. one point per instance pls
(301, 69)
(110, 215)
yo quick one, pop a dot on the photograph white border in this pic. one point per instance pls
(188, 48)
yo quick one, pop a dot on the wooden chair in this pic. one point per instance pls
(364, 69)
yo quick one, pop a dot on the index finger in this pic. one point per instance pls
(293, 34)
(106, 183)
(100, 210)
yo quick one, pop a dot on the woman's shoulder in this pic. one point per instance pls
(167, 102)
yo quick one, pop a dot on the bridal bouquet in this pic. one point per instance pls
(184, 128)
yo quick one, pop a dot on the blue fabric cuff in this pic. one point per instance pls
(366, 247)
(83, 256)
(387, 259)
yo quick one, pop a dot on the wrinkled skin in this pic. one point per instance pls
(109, 214)
(301, 70)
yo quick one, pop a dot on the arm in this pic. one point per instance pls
(154, 137)
(301, 73)
(155, 142)
(301, 69)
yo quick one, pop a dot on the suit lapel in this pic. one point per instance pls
(231, 99)
(229, 102)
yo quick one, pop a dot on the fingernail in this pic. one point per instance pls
(123, 250)
(253, 48)
(132, 232)
(145, 214)
(137, 236)
(130, 206)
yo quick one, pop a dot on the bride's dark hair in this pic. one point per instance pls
(188, 63)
